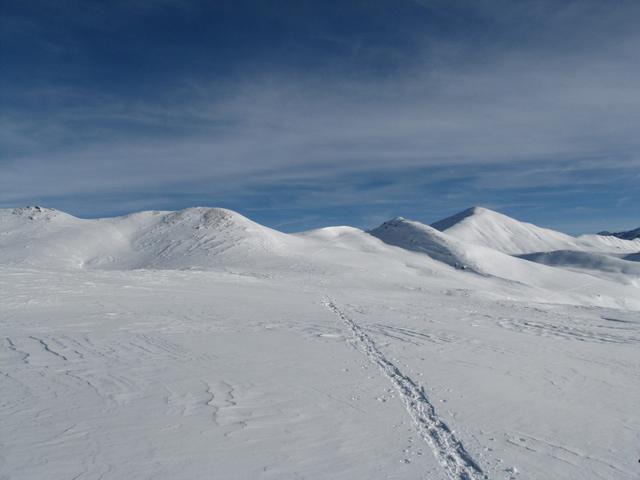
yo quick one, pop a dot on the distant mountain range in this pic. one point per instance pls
(476, 239)
(629, 235)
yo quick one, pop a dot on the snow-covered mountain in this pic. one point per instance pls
(422, 238)
(470, 257)
(194, 238)
(42, 237)
(482, 226)
(191, 238)
(628, 235)
(476, 241)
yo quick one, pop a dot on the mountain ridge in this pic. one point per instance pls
(626, 235)
(205, 237)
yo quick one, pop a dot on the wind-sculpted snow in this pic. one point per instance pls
(189, 344)
(199, 238)
(193, 238)
(449, 451)
(195, 344)
(239, 371)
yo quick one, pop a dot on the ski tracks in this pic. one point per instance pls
(447, 449)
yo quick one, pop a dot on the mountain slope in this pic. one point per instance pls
(608, 244)
(485, 227)
(48, 238)
(417, 237)
(585, 261)
(195, 238)
(482, 226)
(349, 238)
(192, 238)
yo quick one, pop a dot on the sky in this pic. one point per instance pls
(301, 114)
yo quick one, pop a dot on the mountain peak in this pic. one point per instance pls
(205, 215)
(395, 223)
(38, 213)
(476, 210)
(482, 226)
(448, 222)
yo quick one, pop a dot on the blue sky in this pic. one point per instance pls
(302, 114)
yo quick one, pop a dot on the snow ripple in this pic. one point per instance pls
(447, 449)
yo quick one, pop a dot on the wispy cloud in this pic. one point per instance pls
(515, 112)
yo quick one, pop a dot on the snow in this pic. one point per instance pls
(199, 344)
(609, 244)
(557, 284)
(491, 229)
(594, 262)
(191, 238)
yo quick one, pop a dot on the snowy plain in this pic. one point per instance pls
(199, 344)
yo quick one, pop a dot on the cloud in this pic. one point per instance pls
(516, 112)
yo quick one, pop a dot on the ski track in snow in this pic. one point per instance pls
(447, 449)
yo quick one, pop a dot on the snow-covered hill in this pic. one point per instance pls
(219, 239)
(47, 238)
(491, 229)
(482, 226)
(469, 257)
(197, 238)
(418, 237)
